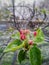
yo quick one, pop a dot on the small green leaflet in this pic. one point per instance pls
(43, 11)
(16, 35)
(12, 46)
(35, 56)
(21, 56)
(40, 36)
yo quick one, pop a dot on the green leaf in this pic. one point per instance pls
(40, 36)
(12, 46)
(16, 35)
(35, 56)
(21, 56)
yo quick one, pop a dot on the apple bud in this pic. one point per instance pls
(30, 42)
(22, 37)
(35, 33)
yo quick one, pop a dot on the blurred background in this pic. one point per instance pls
(23, 14)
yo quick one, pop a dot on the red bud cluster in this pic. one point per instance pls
(23, 34)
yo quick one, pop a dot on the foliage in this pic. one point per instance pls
(35, 56)
(27, 44)
(21, 55)
(39, 37)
